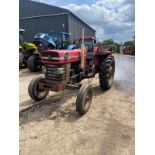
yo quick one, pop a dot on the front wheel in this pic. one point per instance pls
(35, 92)
(84, 98)
(106, 73)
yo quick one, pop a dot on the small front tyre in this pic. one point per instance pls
(35, 92)
(84, 98)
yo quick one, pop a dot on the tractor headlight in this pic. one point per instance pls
(60, 71)
(43, 69)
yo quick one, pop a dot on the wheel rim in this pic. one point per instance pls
(87, 100)
(40, 93)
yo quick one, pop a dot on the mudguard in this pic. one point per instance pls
(30, 46)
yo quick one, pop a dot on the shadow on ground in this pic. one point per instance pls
(51, 107)
(118, 136)
(25, 73)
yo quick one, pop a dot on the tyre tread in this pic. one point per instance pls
(103, 73)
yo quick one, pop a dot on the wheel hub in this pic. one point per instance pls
(40, 92)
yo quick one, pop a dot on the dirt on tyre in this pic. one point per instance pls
(35, 92)
(34, 63)
(84, 98)
(106, 73)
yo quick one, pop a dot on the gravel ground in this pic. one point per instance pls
(53, 127)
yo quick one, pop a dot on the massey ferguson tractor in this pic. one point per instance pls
(67, 68)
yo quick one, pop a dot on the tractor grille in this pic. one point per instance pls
(52, 56)
(55, 73)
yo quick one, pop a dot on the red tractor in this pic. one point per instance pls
(67, 68)
(129, 50)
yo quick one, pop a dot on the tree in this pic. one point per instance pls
(108, 42)
(128, 43)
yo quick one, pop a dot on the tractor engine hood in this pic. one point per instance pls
(61, 56)
(45, 39)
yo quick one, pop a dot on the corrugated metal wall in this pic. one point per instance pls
(76, 26)
(43, 24)
(48, 22)
(29, 8)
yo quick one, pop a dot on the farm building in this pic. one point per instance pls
(37, 17)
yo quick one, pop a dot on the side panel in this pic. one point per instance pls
(28, 8)
(43, 25)
(75, 28)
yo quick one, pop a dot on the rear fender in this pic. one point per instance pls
(30, 46)
(102, 52)
(99, 56)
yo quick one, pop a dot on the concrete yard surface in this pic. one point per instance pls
(53, 127)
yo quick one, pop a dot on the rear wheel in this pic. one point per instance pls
(21, 60)
(34, 63)
(84, 98)
(35, 92)
(106, 73)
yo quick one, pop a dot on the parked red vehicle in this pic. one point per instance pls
(129, 50)
(67, 68)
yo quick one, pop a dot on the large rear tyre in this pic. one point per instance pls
(21, 60)
(35, 92)
(106, 73)
(34, 63)
(84, 98)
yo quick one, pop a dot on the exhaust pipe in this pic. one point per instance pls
(82, 50)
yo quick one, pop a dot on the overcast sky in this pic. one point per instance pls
(110, 18)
